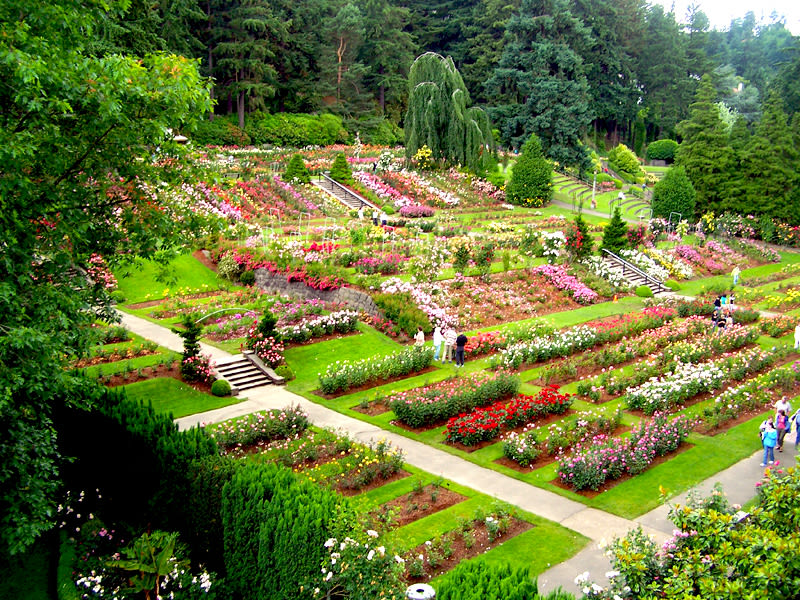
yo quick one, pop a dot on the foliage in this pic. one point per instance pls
(643, 291)
(296, 170)
(531, 181)
(296, 130)
(261, 427)
(340, 170)
(623, 160)
(438, 116)
(221, 388)
(674, 193)
(80, 134)
(615, 233)
(662, 150)
(267, 514)
(579, 240)
(476, 580)
(267, 346)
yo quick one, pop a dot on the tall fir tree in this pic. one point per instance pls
(540, 84)
(704, 152)
(770, 166)
(531, 181)
(615, 234)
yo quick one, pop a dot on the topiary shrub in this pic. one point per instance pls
(662, 150)
(531, 181)
(644, 291)
(296, 170)
(674, 193)
(285, 371)
(340, 170)
(672, 284)
(615, 235)
(624, 161)
(221, 388)
(228, 268)
(247, 278)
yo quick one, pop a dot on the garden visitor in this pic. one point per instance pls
(384, 218)
(715, 316)
(769, 438)
(795, 422)
(449, 345)
(781, 424)
(723, 301)
(729, 320)
(461, 342)
(419, 337)
(375, 216)
(720, 325)
(718, 302)
(361, 213)
(735, 273)
(797, 337)
(783, 405)
(438, 340)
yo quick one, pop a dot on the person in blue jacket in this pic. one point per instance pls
(769, 438)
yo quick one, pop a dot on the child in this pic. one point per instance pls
(769, 439)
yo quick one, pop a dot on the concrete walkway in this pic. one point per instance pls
(738, 480)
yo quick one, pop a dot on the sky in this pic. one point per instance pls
(721, 12)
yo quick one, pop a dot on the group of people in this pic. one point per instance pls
(447, 344)
(722, 316)
(377, 217)
(774, 429)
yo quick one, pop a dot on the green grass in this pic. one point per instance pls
(168, 395)
(147, 280)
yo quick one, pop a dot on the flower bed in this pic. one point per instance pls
(484, 424)
(258, 428)
(777, 326)
(343, 375)
(687, 380)
(440, 401)
(604, 458)
(558, 276)
(526, 446)
(343, 321)
(423, 299)
(385, 264)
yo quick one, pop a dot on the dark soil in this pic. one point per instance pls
(152, 373)
(417, 505)
(611, 484)
(376, 483)
(372, 384)
(111, 358)
(372, 409)
(460, 551)
(201, 256)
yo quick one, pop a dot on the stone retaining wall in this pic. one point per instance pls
(277, 284)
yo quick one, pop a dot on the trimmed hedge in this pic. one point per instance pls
(296, 130)
(477, 580)
(662, 150)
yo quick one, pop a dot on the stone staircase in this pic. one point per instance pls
(246, 371)
(633, 275)
(350, 199)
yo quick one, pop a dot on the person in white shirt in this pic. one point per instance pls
(783, 405)
(449, 345)
(438, 340)
(797, 337)
(419, 337)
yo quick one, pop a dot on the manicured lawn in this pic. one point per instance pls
(147, 280)
(168, 395)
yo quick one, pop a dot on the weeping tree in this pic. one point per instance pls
(438, 116)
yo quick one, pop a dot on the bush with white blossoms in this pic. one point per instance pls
(676, 267)
(360, 569)
(552, 243)
(342, 321)
(424, 299)
(602, 269)
(645, 263)
(428, 262)
(559, 343)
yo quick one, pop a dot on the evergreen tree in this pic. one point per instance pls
(296, 170)
(704, 151)
(770, 166)
(342, 71)
(540, 84)
(438, 116)
(615, 235)
(340, 170)
(674, 193)
(531, 181)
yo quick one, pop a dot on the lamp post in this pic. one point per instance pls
(594, 187)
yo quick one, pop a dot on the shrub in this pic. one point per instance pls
(221, 388)
(624, 161)
(228, 267)
(615, 234)
(401, 310)
(662, 150)
(672, 284)
(285, 371)
(532, 177)
(219, 132)
(296, 170)
(644, 291)
(477, 580)
(343, 375)
(340, 170)
(247, 278)
(674, 193)
(296, 130)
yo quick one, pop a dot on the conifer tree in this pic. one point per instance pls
(340, 170)
(531, 181)
(770, 165)
(296, 169)
(540, 84)
(438, 116)
(704, 151)
(674, 193)
(615, 235)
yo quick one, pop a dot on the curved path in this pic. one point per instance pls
(738, 480)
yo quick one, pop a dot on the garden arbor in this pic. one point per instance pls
(438, 116)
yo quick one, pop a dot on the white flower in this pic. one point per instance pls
(399, 559)
(582, 578)
(372, 533)
(612, 574)
(330, 542)
(371, 555)
(329, 575)
(382, 550)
